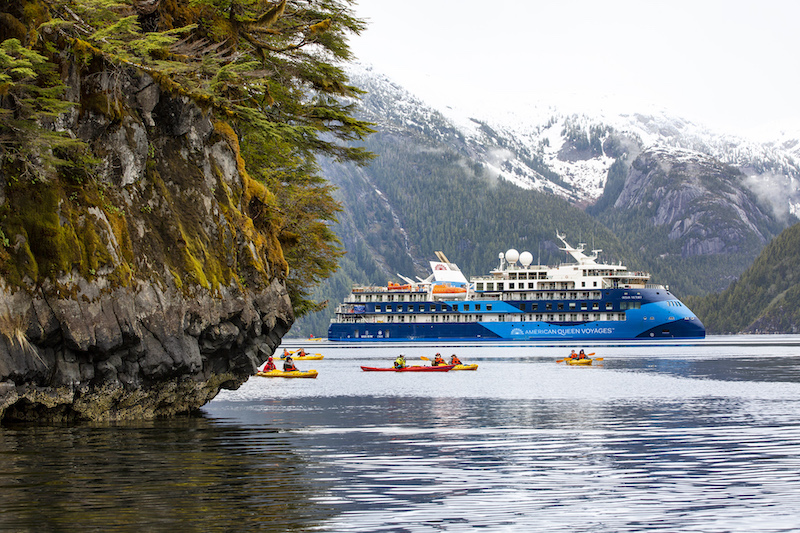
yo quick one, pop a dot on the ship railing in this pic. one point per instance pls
(655, 286)
(383, 289)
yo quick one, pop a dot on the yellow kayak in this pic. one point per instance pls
(292, 374)
(465, 367)
(306, 357)
(579, 361)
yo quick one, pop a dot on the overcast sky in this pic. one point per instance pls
(731, 65)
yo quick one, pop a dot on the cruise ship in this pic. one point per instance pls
(584, 300)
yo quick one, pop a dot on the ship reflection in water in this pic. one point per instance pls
(692, 438)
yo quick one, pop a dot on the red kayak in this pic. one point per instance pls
(440, 368)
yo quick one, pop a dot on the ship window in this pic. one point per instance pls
(572, 305)
(388, 308)
(478, 317)
(583, 306)
(549, 307)
(583, 283)
(488, 307)
(609, 305)
(595, 306)
(466, 307)
(455, 307)
(534, 307)
(477, 307)
(531, 285)
(479, 286)
(499, 286)
(586, 316)
(377, 308)
(510, 285)
(560, 307)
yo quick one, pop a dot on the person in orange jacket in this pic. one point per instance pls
(270, 365)
(438, 360)
(454, 360)
(288, 364)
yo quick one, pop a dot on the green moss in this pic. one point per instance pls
(103, 104)
(55, 246)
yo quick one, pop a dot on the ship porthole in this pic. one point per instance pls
(652, 334)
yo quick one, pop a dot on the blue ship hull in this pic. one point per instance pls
(654, 320)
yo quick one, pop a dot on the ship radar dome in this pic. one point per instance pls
(525, 258)
(512, 255)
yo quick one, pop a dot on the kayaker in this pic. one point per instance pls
(286, 354)
(288, 365)
(573, 355)
(301, 353)
(454, 360)
(270, 365)
(582, 355)
(400, 362)
(438, 360)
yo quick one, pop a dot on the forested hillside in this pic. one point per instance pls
(765, 299)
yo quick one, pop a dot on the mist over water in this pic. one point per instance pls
(653, 438)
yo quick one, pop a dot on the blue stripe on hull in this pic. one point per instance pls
(522, 331)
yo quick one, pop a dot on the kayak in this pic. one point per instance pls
(465, 367)
(305, 357)
(579, 361)
(441, 368)
(290, 374)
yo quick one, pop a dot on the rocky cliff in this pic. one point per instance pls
(144, 286)
(702, 203)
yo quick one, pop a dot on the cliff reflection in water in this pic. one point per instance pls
(188, 474)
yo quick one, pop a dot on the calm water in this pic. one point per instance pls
(658, 438)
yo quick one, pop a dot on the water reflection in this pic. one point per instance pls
(764, 369)
(190, 474)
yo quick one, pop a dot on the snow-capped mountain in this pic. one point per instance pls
(544, 148)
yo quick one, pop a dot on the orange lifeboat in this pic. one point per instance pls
(397, 287)
(448, 289)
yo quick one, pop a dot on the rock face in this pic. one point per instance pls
(696, 197)
(142, 289)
